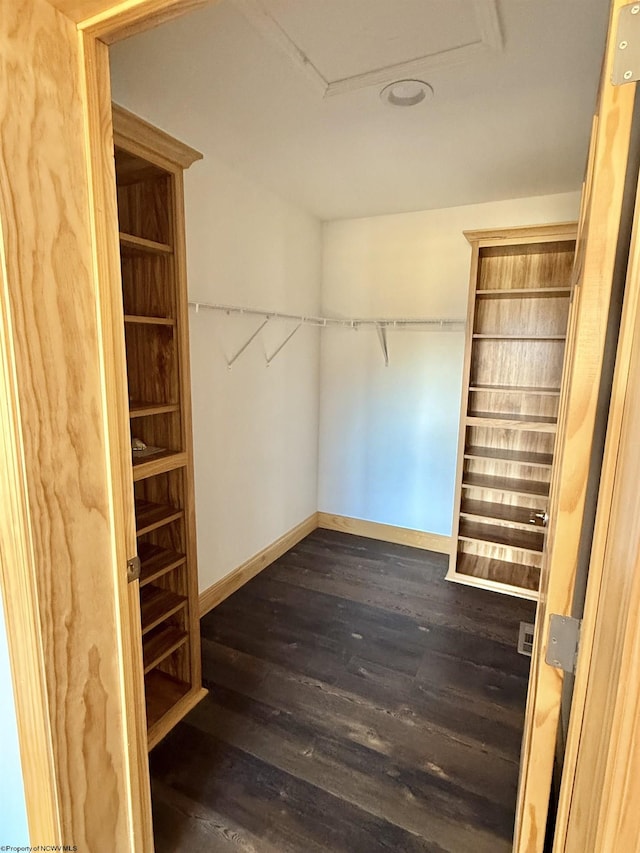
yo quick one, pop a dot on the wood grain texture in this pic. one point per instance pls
(588, 328)
(125, 19)
(521, 235)
(50, 277)
(151, 207)
(385, 532)
(356, 702)
(598, 803)
(226, 586)
(111, 20)
(97, 93)
(142, 138)
(513, 367)
(19, 596)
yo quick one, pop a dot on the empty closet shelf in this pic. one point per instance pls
(523, 292)
(522, 457)
(517, 389)
(158, 604)
(132, 245)
(505, 484)
(156, 561)
(522, 540)
(159, 645)
(139, 409)
(488, 510)
(536, 423)
(163, 692)
(150, 516)
(511, 575)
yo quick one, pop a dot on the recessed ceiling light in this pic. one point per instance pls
(406, 93)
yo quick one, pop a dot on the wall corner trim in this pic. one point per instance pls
(223, 588)
(386, 532)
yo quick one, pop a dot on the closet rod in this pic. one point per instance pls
(382, 322)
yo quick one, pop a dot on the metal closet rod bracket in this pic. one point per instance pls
(380, 324)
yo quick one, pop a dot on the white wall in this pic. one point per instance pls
(13, 814)
(388, 435)
(255, 428)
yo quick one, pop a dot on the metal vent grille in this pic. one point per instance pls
(525, 638)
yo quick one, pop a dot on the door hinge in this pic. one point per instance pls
(133, 569)
(626, 60)
(563, 642)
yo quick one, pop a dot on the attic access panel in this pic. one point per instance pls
(348, 44)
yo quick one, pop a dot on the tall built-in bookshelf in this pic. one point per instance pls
(149, 175)
(519, 303)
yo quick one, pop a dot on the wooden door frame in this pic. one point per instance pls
(97, 23)
(596, 256)
(83, 751)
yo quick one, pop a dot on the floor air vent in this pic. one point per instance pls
(525, 639)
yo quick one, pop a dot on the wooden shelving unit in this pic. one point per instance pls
(149, 174)
(519, 301)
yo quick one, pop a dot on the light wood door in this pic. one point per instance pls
(598, 801)
(598, 233)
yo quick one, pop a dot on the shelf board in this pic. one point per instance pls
(517, 389)
(132, 245)
(520, 457)
(159, 463)
(535, 423)
(162, 692)
(158, 646)
(495, 337)
(143, 320)
(156, 561)
(138, 409)
(524, 292)
(150, 516)
(506, 484)
(531, 541)
(499, 571)
(158, 604)
(518, 515)
(168, 701)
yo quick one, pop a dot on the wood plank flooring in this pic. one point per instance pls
(358, 703)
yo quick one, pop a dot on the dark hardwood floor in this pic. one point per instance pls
(358, 703)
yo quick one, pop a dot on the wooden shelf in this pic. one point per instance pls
(524, 540)
(162, 693)
(520, 457)
(158, 604)
(516, 389)
(138, 409)
(506, 484)
(519, 306)
(143, 320)
(132, 245)
(156, 562)
(154, 293)
(159, 645)
(159, 463)
(168, 702)
(536, 423)
(150, 516)
(496, 337)
(499, 571)
(525, 517)
(524, 292)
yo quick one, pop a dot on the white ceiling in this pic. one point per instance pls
(287, 91)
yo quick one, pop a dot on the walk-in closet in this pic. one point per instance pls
(318, 349)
